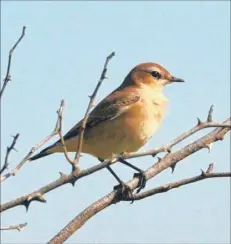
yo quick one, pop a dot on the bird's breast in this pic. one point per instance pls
(143, 121)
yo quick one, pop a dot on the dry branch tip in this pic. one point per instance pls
(210, 114)
(199, 122)
(210, 168)
(14, 227)
(8, 75)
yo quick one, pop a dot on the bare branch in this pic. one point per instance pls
(106, 201)
(90, 105)
(32, 150)
(60, 118)
(63, 180)
(216, 134)
(115, 196)
(176, 184)
(8, 150)
(168, 147)
(8, 77)
(14, 227)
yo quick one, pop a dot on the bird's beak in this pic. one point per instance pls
(175, 79)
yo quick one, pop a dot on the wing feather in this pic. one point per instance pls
(111, 107)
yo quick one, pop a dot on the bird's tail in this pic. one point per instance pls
(45, 152)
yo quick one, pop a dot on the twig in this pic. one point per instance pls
(115, 196)
(14, 227)
(90, 105)
(8, 150)
(168, 147)
(32, 150)
(176, 184)
(8, 76)
(216, 134)
(60, 118)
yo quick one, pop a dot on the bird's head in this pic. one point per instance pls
(150, 74)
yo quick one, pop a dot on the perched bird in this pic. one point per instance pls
(125, 119)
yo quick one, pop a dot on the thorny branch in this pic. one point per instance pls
(65, 179)
(74, 163)
(168, 147)
(8, 76)
(13, 227)
(8, 150)
(161, 189)
(115, 196)
(32, 150)
(90, 105)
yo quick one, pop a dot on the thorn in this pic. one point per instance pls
(209, 169)
(62, 175)
(15, 149)
(159, 159)
(198, 121)
(173, 167)
(203, 174)
(26, 204)
(209, 147)
(73, 182)
(210, 114)
(90, 96)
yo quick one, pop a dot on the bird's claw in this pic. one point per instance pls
(125, 190)
(142, 181)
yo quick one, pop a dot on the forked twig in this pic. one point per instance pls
(32, 150)
(8, 77)
(8, 150)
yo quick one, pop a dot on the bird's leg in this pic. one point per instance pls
(122, 185)
(141, 175)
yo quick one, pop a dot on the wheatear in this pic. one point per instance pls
(125, 119)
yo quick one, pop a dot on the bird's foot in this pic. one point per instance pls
(142, 181)
(125, 190)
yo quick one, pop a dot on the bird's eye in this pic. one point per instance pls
(156, 74)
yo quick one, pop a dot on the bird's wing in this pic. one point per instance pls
(111, 107)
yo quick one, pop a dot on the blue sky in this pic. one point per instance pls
(61, 57)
